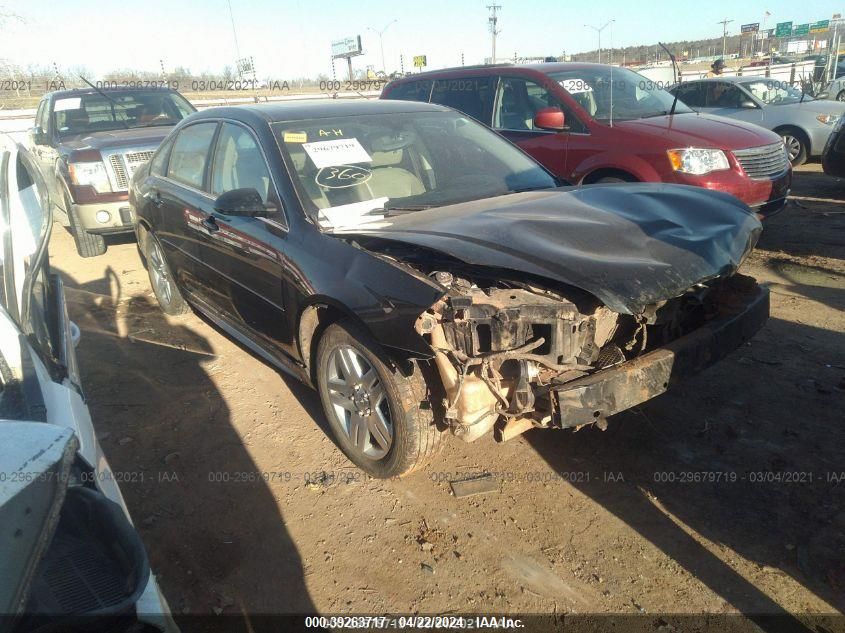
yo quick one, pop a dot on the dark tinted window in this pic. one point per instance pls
(719, 94)
(238, 163)
(691, 94)
(470, 95)
(190, 153)
(416, 90)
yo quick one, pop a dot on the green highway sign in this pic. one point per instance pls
(820, 26)
(801, 29)
(783, 29)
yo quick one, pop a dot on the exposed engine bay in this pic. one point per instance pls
(502, 349)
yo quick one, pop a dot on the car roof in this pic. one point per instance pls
(730, 79)
(495, 69)
(314, 109)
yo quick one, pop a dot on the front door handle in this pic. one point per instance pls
(210, 224)
(155, 198)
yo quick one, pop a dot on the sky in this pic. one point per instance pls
(291, 39)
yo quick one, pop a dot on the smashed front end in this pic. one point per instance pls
(513, 356)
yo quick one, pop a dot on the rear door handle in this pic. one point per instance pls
(210, 224)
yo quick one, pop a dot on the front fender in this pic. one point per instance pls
(617, 160)
(382, 295)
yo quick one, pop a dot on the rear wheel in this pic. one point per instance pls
(87, 244)
(796, 145)
(161, 279)
(374, 410)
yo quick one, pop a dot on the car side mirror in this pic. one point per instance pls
(38, 135)
(549, 119)
(747, 104)
(243, 202)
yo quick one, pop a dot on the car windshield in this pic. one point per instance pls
(775, 92)
(114, 110)
(358, 169)
(628, 96)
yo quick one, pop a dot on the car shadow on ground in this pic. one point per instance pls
(812, 223)
(189, 482)
(749, 473)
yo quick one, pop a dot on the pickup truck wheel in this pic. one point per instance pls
(164, 287)
(373, 409)
(796, 145)
(841, 96)
(87, 244)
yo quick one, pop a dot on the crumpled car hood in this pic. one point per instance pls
(629, 245)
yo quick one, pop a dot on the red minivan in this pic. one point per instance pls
(591, 123)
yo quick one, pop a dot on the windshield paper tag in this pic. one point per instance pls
(67, 104)
(574, 86)
(345, 151)
(296, 137)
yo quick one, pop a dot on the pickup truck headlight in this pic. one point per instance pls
(697, 161)
(827, 119)
(93, 174)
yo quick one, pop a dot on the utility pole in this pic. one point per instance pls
(381, 41)
(599, 30)
(724, 24)
(493, 21)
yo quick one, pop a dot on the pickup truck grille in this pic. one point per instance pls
(124, 165)
(762, 163)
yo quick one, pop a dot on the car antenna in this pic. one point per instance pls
(677, 76)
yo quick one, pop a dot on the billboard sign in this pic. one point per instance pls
(347, 47)
(753, 27)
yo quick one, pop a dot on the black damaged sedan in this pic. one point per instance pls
(426, 276)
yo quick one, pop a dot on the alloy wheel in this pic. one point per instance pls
(793, 146)
(359, 402)
(160, 274)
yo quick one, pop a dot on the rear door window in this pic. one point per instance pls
(415, 90)
(691, 94)
(470, 95)
(189, 155)
(159, 162)
(721, 94)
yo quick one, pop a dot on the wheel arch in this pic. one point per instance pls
(313, 320)
(605, 172)
(805, 136)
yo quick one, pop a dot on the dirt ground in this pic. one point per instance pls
(723, 496)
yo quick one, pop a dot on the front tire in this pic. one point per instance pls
(841, 96)
(161, 279)
(796, 145)
(613, 179)
(87, 244)
(374, 410)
